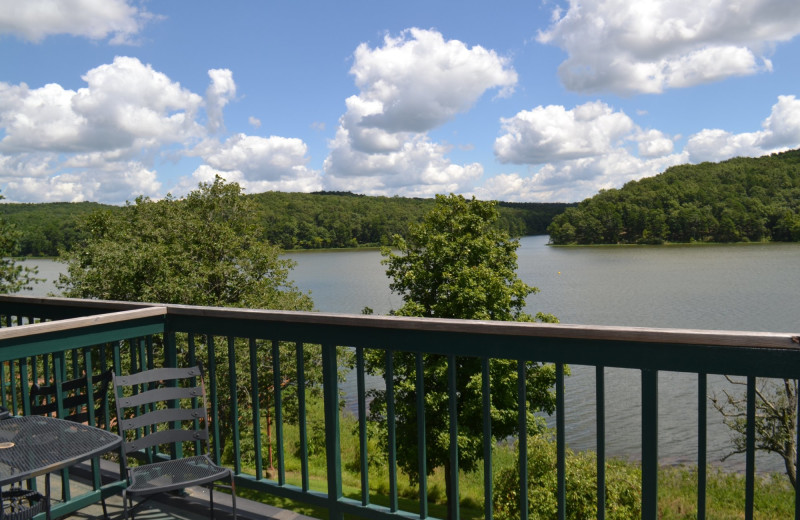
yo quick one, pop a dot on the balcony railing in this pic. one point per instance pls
(53, 339)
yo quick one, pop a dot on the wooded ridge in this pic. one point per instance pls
(289, 220)
(738, 200)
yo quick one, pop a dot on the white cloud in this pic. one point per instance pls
(409, 86)
(34, 20)
(654, 143)
(113, 183)
(218, 94)
(572, 154)
(418, 168)
(418, 80)
(553, 133)
(780, 132)
(126, 105)
(257, 163)
(254, 122)
(650, 45)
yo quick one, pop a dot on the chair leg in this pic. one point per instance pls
(211, 501)
(105, 511)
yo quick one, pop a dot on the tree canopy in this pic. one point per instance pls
(204, 249)
(742, 199)
(457, 264)
(13, 277)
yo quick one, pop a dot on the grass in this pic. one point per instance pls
(774, 495)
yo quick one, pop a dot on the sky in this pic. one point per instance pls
(538, 101)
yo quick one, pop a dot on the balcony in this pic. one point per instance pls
(43, 338)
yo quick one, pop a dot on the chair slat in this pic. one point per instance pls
(159, 395)
(165, 415)
(164, 437)
(157, 374)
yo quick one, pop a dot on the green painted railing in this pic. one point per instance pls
(239, 346)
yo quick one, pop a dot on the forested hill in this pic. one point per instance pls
(291, 220)
(738, 200)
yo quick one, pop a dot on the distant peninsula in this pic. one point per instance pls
(738, 200)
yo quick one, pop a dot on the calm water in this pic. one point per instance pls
(738, 287)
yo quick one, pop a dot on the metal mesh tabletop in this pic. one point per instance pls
(35, 445)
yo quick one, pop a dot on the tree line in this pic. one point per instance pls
(288, 220)
(738, 200)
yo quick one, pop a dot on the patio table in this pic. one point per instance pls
(36, 445)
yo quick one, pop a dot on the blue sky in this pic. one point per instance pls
(106, 100)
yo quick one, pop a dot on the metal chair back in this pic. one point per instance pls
(74, 401)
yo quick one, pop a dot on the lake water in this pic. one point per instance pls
(727, 287)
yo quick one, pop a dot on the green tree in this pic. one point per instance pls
(13, 277)
(457, 264)
(205, 249)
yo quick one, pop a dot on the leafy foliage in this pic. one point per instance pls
(201, 250)
(289, 220)
(205, 249)
(623, 486)
(47, 228)
(457, 264)
(741, 199)
(13, 277)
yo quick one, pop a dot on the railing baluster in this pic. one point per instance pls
(362, 425)
(600, 418)
(214, 397)
(256, 405)
(797, 452)
(234, 396)
(422, 448)
(452, 390)
(277, 384)
(301, 407)
(561, 444)
(192, 361)
(649, 444)
(702, 435)
(750, 454)
(488, 440)
(522, 376)
(330, 386)
(391, 431)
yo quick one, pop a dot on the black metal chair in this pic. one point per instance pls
(166, 407)
(74, 401)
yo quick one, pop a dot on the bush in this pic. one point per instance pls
(623, 486)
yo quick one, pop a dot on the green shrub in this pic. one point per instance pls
(623, 486)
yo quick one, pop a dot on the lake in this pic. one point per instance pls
(727, 287)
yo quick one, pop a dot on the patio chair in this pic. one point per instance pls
(76, 399)
(74, 402)
(166, 407)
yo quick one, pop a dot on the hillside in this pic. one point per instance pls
(738, 200)
(290, 220)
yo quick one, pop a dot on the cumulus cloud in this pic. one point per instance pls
(218, 94)
(572, 154)
(576, 152)
(553, 133)
(257, 163)
(102, 142)
(649, 45)
(780, 132)
(412, 84)
(34, 20)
